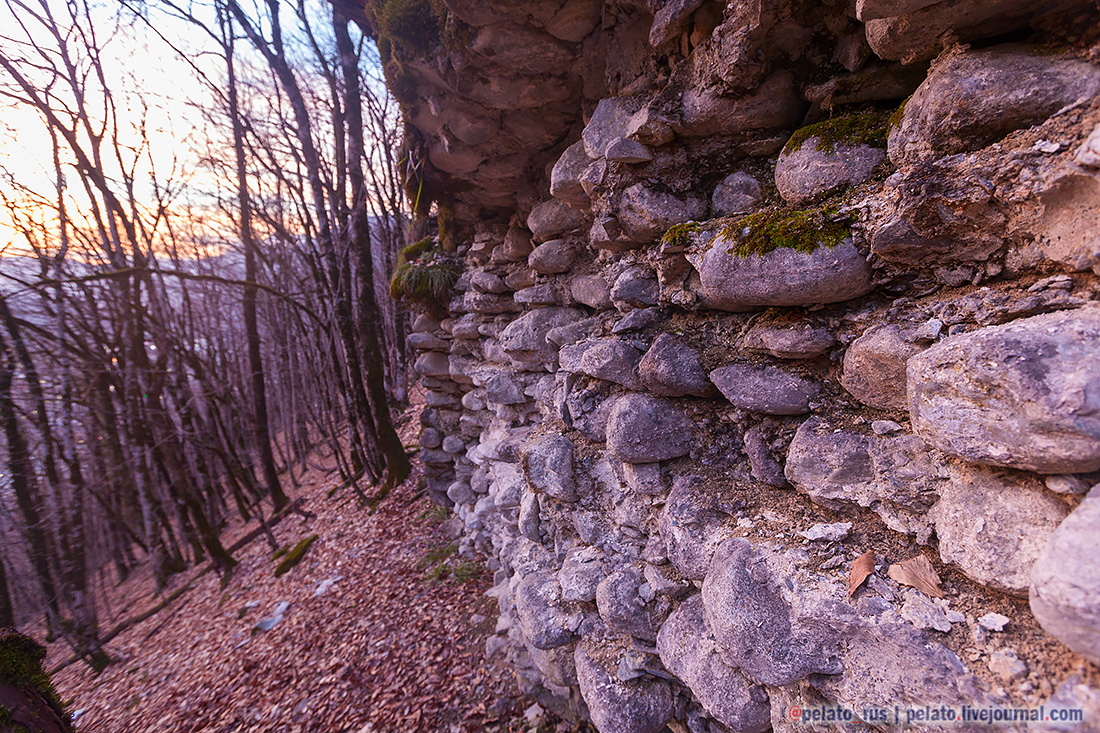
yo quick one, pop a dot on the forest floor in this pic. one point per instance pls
(384, 632)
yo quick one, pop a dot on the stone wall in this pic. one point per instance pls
(751, 289)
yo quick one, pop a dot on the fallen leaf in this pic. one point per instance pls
(917, 572)
(862, 568)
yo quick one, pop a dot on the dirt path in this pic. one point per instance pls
(370, 642)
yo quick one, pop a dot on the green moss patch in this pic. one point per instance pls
(803, 230)
(898, 114)
(423, 274)
(677, 235)
(411, 27)
(867, 128)
(21, 667)
(294, 556)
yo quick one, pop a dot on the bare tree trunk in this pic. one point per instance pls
(252, 332)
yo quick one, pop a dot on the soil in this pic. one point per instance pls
(380, 635)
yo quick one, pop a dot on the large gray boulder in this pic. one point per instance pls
(795, 341)
(525, 338)
(542, 618)
(565, 178)
(644, 429)
(646, 213)
(690, 524)
(754, 624)
(1065, 580)
(806, 172)
(765, 389)
(919, 29)
(897, 477)
(672, 368)
(551, 219)
(611, 360)
(993, 525)
(553, 257)
(972, 99)
(874, 367)
(738, 193)
(548, 467)
(784, 276)
(774, 104)
(688, 650)
(1024, 395)
(642, 705)
(622, 607)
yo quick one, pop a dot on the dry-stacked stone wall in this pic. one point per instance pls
(782, 283)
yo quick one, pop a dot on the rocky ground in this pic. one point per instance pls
(381, 630)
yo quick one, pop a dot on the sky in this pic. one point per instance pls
(147, 78)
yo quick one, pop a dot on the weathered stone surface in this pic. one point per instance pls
(565, 178)
(608, 123)
(432, 364)
(544, 622)
(993, 526)
(738, 193)
(625, 150)
(635, 287)
(537, 295)
(591, 290)
(691, 523)
(774, 104)
(426, 342)
(609, 359)
(796, 341)
(1066, 233)
(552, 257)
(548, 466)
(754, 624)
(782, 277)
(637, 320)
(622, 608)
(525, 338)
(551, 219)
(646, 213)
(574, 20)
(672, 20)
(1022, 395)
(642, 705)
(919, 30)
(588, 408)
(581, 573)
(895, 476)
(1065, 580)
(688, 650)
(804, 174)
(672, 368)
(874, 367)
(643, 429)
(517, 245)
(764, 389)
(762, 464)
(972, 99)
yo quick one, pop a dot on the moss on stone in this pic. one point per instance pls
(423, 274)
(897, 115)
(21, 667)
(408, 28)
(803, 230)
(294, 556)
(866, 128)
(677, 235)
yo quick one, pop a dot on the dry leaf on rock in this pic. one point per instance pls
(917, 572)
(862, 568)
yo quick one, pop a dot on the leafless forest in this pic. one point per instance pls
(177, 337)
